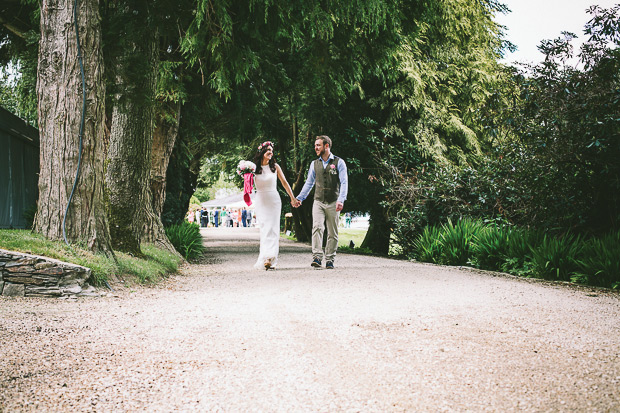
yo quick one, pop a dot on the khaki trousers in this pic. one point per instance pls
(323, 213)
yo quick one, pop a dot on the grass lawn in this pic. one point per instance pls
(345, 235)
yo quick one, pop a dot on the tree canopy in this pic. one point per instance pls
(404, 89)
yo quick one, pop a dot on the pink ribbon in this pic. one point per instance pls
(248, 185)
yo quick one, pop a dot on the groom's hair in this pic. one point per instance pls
(325, 140)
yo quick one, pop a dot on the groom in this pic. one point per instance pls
(329, 172)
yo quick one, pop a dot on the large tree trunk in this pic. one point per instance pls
(164, 137)
(59, 92)
(131, 133)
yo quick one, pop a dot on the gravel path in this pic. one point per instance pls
(372, 335)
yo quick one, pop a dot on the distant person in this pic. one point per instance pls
(347, 220)
(235, 218)
(250, 217)
(329, 172)
(224, 218)
(204, 217)
(244, 217)
(216, 218)
(229, 218)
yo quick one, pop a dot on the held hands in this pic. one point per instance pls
(295, 202)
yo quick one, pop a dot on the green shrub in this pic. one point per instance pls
(556, 258)
(456, 241)
(406, 233)
(186, 239)
(490, 247)
(428, 246)
(519, 246)
(600, 262)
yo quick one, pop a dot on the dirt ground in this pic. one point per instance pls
(373, 335)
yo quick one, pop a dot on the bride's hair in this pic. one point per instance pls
(258, 159)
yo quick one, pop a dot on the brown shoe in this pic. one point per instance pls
(267, 264)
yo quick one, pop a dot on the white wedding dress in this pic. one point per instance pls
(268, 209)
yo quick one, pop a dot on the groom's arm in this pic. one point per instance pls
(344, 185)
(309, 183)
(344, 181)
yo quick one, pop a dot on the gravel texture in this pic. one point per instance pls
(373, 335)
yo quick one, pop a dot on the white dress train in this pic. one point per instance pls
(268, 209)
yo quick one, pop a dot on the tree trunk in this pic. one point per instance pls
(164, 137)
(59, 93)
(181, 178)
(131, 133)
(302, 216)
(377, 238)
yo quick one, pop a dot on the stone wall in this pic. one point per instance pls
(31, 275)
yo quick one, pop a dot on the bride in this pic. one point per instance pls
(268, 204)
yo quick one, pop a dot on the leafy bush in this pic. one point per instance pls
(490, 247)
(428, 246)
(522, 252)
(456, 241)
(600, 262)
(186, 239)
(519, 245)
(556, 258)
(449, 244)
(405, 234)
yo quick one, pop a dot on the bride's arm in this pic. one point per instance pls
(284, 182)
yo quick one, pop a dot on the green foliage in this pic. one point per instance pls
(521, 252)
(428, 246)
(600, 262)
(194, 201)
(202, 195)
(448, 244)
(433, 194)
(457, 241)
(186, 239)
(490, 247)
(520, 243)
(550, 163)
(18, 58)
(555, 258)
(566, 120)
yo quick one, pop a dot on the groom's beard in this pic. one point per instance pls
(321, 153)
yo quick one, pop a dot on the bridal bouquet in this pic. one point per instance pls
(246, 167)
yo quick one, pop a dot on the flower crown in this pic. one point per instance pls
(266, 143)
